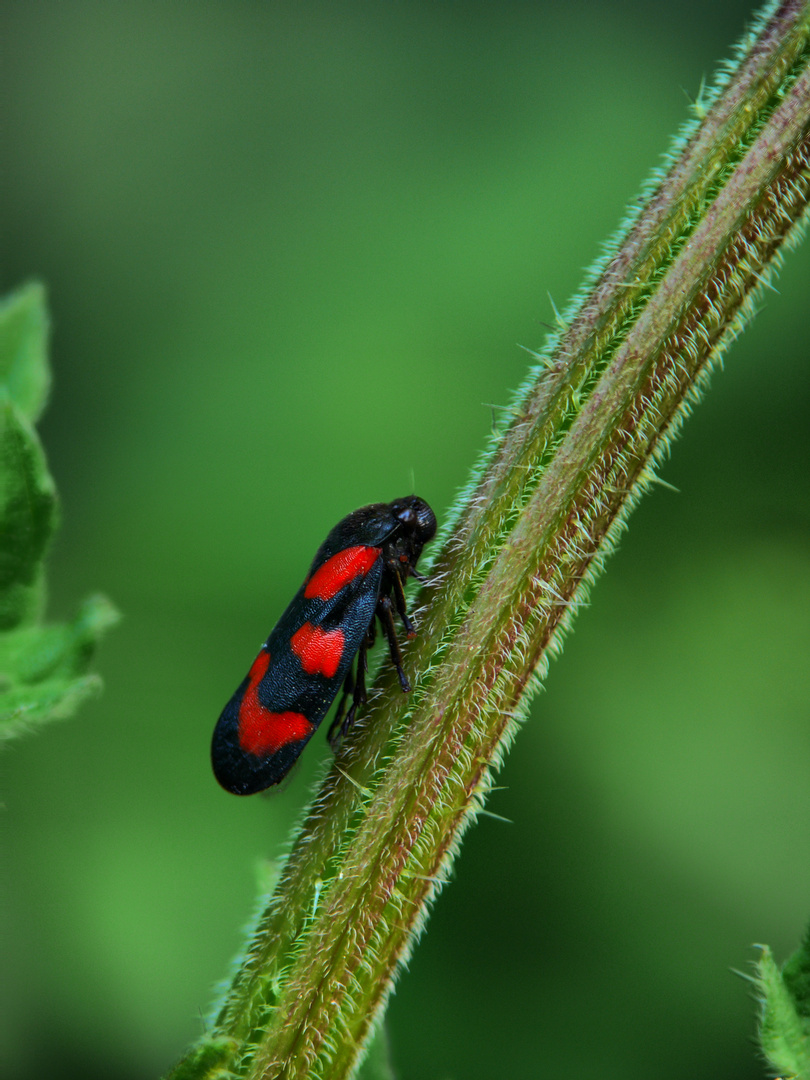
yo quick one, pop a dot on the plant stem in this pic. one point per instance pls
(534, 529)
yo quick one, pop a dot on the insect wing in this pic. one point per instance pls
(298, 673)
(363, 529)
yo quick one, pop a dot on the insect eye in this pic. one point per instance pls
(426, 523)
(409, 517)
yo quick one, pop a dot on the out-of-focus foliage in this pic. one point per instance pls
(43, 669)
(291, 253)
(784, 1022)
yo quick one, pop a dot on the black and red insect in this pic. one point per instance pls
(357, 577)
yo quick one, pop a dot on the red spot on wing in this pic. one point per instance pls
(318, 650)
(262, 732)
(329, 579)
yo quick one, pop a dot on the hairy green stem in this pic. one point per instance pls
(536, 524)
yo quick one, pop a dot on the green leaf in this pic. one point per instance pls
(27, 517)
(784, 1020)
(208, 1061)
(796, 975)
(27, 495)
(43, 669)
(24, 367)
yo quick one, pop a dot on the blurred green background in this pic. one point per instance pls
(292, 251)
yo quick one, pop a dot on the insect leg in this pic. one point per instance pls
(348, 688)
(402, 610)
(356, 686)
(386, 617)
(359, 686)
